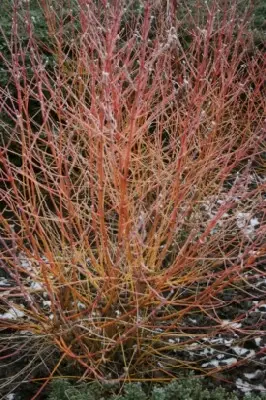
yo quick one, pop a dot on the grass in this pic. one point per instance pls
(136, 196)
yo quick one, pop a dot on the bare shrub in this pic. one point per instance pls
(138, 192)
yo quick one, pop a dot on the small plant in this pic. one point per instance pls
(183, 389)
(62, 389)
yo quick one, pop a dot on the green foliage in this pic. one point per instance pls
(259, 23)
(133, 391)
(64, 390)
(259, 16)
(39, 27)
(189, 388)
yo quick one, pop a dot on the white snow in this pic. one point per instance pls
(207, 351)
(46, 303)
(241, 219)
(252, 353)
(231, 324)
(12, 313)
(212, 363)
(254, 222)
(36, 286)
(230, 361)
(261, 308)
(240, 351)
(81, 306)
(262, 282)
(45, 259)
(172, 341)
(24, 261)
(246, 387)
(10, 396)
(258, 340)
(260, 388)
(220, 340)
(192, 346)
(248, 231)
(252, 375)
(246, 224)
(4, 282)
(193, 320)
(243, 386)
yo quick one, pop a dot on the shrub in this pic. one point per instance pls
(183, 389)
(136, 191)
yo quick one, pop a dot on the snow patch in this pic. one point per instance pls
(258, 340)
(240, 351)
(47, 303)
(207, 351)
(246, 223)
(24, 262)
(226, 322)
(172, 341)
(252, 375)
(212, 363)
(10, 396)
(81, 306)
(36, 286)
(254, 222)
(246, 387)
(243, 386)
(192, 346)
(261, 308)
(12, 314)
(230, 361)
(4, 282)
